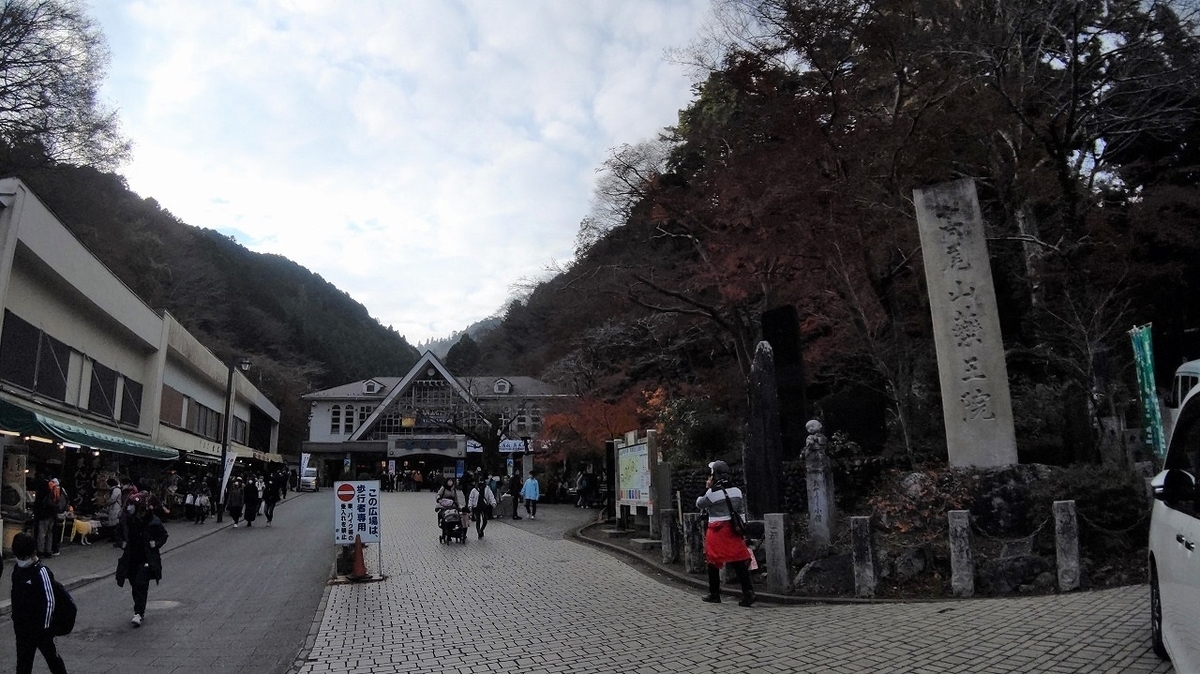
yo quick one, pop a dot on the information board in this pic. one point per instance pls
(356, 512)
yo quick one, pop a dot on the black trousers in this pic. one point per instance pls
(139, 582)
(29, 645)
(483, 513)
(742, 569)
(269, 510)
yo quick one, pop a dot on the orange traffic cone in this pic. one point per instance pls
(360, 565)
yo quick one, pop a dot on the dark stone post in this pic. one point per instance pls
(1066, 545)
(693, 543)
(762, 458)
(781, 329)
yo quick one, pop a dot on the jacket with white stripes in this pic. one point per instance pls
(32, 599)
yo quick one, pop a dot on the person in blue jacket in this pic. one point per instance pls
(32, 608)
(531, 492)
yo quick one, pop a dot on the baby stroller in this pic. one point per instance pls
(451, 521)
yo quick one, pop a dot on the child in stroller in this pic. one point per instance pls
(451, 516)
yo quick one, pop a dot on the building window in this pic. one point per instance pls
(536, 417)
(369, 387)
(335, 419)
(32, 359)
(131, 403)
(203, 421)
(364, 411)
(102, 398)
(172, 407)
(501, 386)
(348, 426)
(239, 430)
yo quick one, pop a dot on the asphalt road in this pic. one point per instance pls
(241, 600)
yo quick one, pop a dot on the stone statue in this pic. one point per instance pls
(816, 439)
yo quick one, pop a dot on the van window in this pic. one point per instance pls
(310, 472)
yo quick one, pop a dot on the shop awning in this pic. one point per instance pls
(25, 421)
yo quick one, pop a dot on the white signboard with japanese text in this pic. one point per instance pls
(356, 512)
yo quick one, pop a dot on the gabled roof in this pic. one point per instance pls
(353, 389)
(484, 386)
(426, 361)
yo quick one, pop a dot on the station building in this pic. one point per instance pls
(94, 383)
(424, 421)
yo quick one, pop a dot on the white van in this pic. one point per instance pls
(308, 481)
(1187, 377)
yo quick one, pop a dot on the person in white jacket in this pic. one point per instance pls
(481, 502)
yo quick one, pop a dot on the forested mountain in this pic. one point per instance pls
(789, 180)
(300, 331)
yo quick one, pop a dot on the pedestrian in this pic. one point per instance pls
(271, 496)
(235, 500)
(282, 477)
(252, 497)
(481, 502)
(140, 560)
(45, 510)
(33, 607)
(203, 504)
(514, 490)
(113, 509)
(531, 492)
(724, 541)
(417, 480)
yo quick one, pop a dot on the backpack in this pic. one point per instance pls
(63, 619)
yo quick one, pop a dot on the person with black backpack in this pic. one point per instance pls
(41, 608)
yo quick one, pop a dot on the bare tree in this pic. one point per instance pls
(52, 62)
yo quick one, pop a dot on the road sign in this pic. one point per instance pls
(356, 512)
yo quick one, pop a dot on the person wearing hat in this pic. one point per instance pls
(48, 503)
(724, 542)
(140, 560)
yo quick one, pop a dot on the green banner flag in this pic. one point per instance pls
(1143, 357)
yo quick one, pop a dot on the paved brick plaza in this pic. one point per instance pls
(525, 600)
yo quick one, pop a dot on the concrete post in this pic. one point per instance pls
(863, 555)
(821, 509)
(962, 563)
(669, 535)
(1066, 545)
(693, 543)
(778, 545)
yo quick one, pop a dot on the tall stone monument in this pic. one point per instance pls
(781, 329)
(976, 406)
(762, 457)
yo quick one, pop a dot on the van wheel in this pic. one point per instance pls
(1156, 638)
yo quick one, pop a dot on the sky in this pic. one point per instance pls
(423, 156)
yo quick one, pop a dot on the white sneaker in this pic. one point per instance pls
(235, 525)
(137, 620)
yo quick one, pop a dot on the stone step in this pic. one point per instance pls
(645, 544)
(616, 533)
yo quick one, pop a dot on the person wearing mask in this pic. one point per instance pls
(32, 608)
(235, 500)
(253, 499)
(481, 502)
(272, 493)
(531, 492)
(140, 560)
(514, 489)
(724, 541)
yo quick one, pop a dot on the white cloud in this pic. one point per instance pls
(421, 155)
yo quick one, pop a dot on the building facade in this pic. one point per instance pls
(428, 420)
(95, 383)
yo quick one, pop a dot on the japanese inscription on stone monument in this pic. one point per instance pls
(970, 353)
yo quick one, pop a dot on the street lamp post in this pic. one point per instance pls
(243, 363)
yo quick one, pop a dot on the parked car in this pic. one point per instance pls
(308, 481)
(1174, 534)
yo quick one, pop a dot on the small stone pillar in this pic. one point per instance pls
(819, 481)
(1066, 545)
(693, 543)
(669, 535)
(778, 546)
(962, 563)
(864, 556)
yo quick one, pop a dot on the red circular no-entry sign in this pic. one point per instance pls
(346, 492)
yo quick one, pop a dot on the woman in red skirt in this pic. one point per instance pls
(722, 543)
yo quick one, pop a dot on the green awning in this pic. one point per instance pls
(25, 421)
